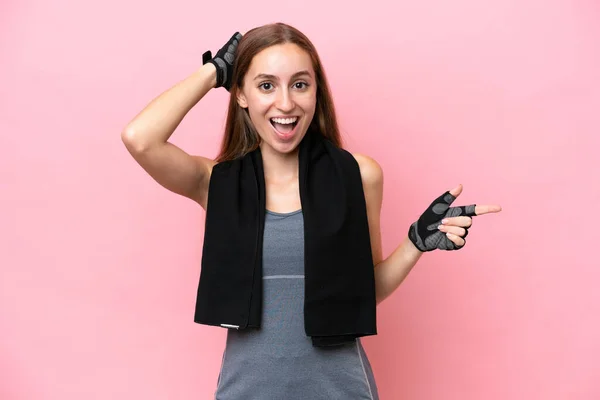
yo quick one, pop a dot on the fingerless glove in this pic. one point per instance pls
(223, 61)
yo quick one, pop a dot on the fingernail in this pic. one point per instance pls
(444, 221)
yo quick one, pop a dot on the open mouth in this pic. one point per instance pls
(284, 126)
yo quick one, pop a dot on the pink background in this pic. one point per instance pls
(100, 265)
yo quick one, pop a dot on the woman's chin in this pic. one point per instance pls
(280, 147)
(283, 148)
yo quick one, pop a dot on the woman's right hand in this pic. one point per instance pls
(223, 61)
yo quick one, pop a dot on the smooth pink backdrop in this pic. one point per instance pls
(100, 265)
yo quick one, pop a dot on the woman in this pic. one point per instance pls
(286, 199)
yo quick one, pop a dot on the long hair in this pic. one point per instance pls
(240, 135)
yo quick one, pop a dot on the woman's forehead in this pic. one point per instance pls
(281, 61)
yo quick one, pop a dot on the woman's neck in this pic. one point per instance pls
(279, 167)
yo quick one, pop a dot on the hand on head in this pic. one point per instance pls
(223, 61)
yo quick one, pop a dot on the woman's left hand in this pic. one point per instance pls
(444, 227)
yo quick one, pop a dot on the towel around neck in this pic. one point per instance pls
(339, 301)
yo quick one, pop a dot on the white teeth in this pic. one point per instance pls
(285, 120)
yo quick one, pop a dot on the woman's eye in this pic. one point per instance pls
(268, 86)
(301, 83)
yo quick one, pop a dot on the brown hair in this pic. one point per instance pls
(240, 135)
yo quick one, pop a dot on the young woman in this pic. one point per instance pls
(292, 261)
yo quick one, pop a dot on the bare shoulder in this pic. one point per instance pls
(370, 171)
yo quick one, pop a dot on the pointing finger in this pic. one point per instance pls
(486, 209)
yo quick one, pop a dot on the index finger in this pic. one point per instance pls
(486, 209)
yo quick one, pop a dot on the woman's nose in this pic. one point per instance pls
(284, 101)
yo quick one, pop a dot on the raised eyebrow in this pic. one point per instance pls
(274, 78)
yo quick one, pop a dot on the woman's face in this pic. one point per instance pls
(280, 93)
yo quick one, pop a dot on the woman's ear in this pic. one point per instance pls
(241, 99)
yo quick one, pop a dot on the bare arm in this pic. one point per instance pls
(391, 271)
(146, 137)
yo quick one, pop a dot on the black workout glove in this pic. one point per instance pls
(223, 61)
(425, 234)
